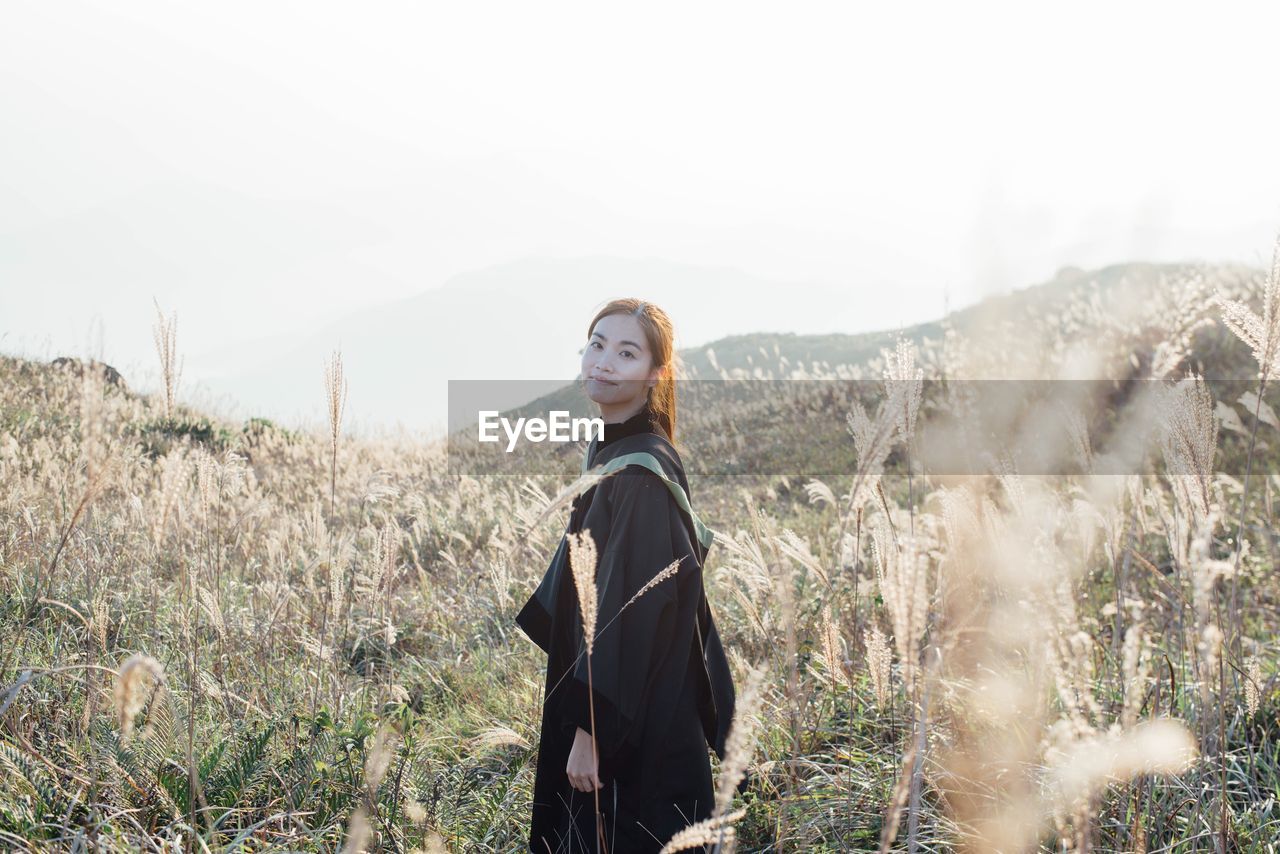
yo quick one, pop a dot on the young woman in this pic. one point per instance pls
(662, 687)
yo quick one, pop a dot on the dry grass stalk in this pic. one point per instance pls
(1253, 686)
(717, 830)
(416, 811)
(895, 418)
(99, 466)
(499, 736)
(1189, 439)
(582, 563)
(833, 650)
(379, 758)
(131, 689)
(663, 574)
(337, 591)
(435, 844)
(904, 383)
(206, 470)
(740, 743)
(873, 439)
(902, 572)
(358, 832)
(897, 800)
(335, 385)
(175, 471)
(1206, 572)
(166, 338)
(1135, 670)
(381, 752)
(1260, 332)
(386, 550)
(1082, 766)
(879, 662)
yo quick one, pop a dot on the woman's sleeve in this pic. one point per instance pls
(646, 534)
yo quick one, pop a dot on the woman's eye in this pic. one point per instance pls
(628, 354)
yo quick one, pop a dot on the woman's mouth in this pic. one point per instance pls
(602, 382)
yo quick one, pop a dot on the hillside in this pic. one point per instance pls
(269, 639)
(774, 384)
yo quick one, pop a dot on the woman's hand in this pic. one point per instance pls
(583, 768)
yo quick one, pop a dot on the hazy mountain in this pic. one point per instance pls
(512, 325)
(519, 327)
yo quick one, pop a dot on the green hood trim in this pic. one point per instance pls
(649, 461)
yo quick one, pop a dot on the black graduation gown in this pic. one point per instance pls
(662, 686)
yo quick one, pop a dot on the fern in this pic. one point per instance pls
(310, 786)
(142, 786)
(157, 734)
(226, 787)
(211, 759)
(14, 822)
(48, 796)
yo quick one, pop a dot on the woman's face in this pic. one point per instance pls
(617, 366)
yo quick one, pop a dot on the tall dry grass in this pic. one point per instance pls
(998, 662)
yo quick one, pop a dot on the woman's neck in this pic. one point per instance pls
(617, 416)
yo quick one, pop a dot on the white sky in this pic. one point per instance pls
(263, 167)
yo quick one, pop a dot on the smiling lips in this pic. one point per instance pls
(606, 382)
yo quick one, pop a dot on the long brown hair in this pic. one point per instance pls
(660, 334)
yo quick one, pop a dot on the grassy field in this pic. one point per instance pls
(236, 637)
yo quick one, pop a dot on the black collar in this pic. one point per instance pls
(642, 422)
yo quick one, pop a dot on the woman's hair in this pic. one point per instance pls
(660, 334)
